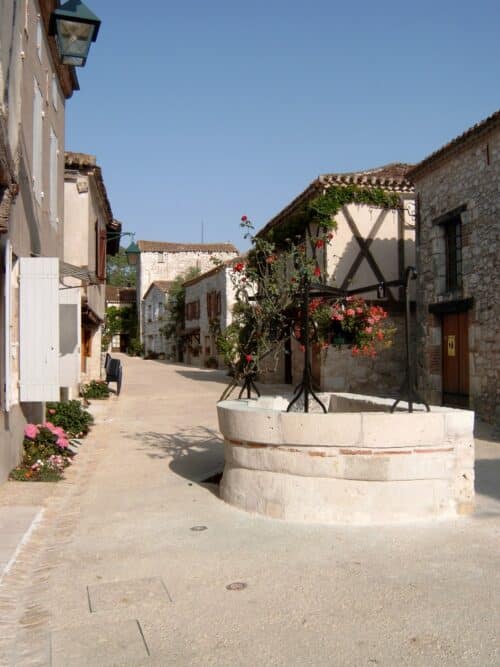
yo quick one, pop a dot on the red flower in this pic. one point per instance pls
(329, 236)
(317, 271)
(319, 243)
(238, 267)
(244, 218)
(248, 357)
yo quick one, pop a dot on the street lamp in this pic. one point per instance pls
(132, 253)
(74, 27)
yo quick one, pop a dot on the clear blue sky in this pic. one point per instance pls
(204, 111)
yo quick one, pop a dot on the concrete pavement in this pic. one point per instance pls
(131, 558)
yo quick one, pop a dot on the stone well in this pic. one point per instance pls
(357, 464)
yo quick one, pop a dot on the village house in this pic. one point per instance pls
(459, 285)
(371, 246)
(90, 234)
(155, 301)
(34, 86)
(209, 300)
(165, 261)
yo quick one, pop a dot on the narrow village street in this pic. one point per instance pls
(131, 557)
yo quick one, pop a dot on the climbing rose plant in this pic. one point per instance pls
(269, 285)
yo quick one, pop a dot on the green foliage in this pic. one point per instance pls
(321, 210)
(119, 319)
(43, 474)
(135, 348)
(95, 389)
(118, 272)
(71, 416)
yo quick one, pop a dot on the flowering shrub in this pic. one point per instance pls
(46, 453)
(95, 389)
(269, 287)
(71, 416)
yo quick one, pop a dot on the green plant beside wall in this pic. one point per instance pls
(96, 389)
(71, 416)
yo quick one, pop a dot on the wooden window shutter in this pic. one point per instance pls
(39, 312)
(101, 254)
(219, 303)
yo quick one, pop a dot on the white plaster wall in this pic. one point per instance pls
(154, 307)
(343, 249)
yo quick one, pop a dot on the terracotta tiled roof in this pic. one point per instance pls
(216, 269)
(162, 246)
(477, 131)
(392, 177)
(163, 285)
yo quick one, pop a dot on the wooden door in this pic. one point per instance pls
(86, 347)
(455, 359)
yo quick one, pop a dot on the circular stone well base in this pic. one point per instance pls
(357, 464)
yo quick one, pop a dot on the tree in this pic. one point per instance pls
(118, 272)
(176, 305)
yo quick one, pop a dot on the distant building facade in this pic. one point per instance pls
(154, 306)
(209, 300)
(163, 261)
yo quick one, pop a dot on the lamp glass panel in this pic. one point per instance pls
(75, 37)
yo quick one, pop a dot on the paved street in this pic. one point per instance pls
(130, 557)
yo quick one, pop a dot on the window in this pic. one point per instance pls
(37, 143)
(54, 152)
(101, 243)
(39, 39)
(193, 310)
(213, 304)
(55, 92)
(453, 245)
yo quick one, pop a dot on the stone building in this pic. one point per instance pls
(165, 261)
(371, 246)
(154, 304)
(209, 301)
(458, 190)
(34, 87)
(91, 233)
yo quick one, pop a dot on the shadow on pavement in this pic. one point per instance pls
(196, 453)
(487, 480)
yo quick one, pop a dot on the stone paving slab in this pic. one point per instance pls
(15, 524)
(133, 593)
(101, 643)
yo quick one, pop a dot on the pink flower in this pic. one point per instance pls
(31, 431)
(51, 411)
(62, 442)
(59, 432)
(244, 218)
(49, 425)
(350, 312)
(368, 330)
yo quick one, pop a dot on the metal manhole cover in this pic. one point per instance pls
(236, 586)
(198, 529)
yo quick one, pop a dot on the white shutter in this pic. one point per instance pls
(39, 329)
(69, 337)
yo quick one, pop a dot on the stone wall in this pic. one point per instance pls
(154, 320)
(467, 178)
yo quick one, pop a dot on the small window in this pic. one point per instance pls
(54, 152)
(39, 39)
(453, 245)
(37, 142)
(55, 92)
(160, 258)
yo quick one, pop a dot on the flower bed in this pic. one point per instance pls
(46, 453)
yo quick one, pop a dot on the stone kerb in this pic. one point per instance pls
(349, 466)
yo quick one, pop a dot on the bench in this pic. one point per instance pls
(113, 368)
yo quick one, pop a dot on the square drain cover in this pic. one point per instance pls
(99, 644)
(136, 592)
